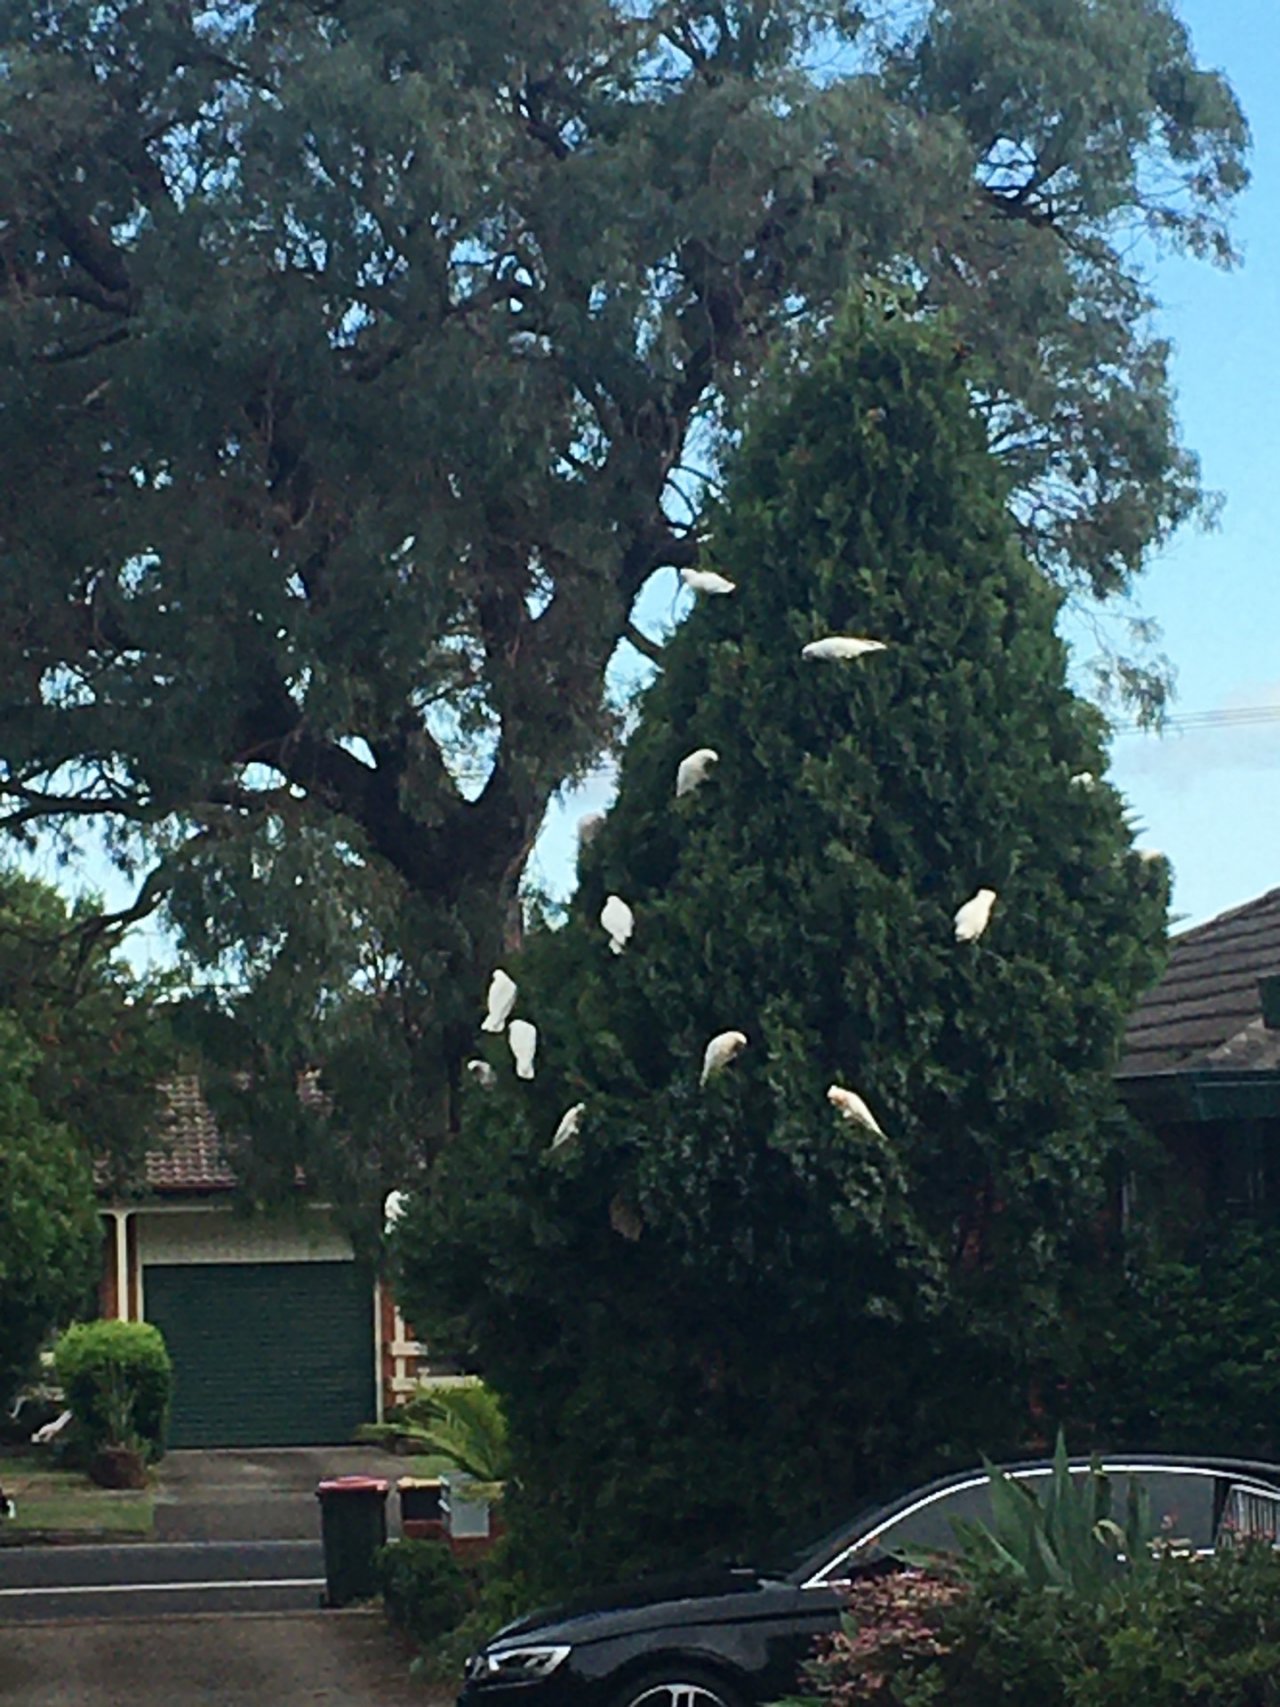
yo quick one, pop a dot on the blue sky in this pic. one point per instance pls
(1209, 798)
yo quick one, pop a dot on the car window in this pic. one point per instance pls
(1182, 1512)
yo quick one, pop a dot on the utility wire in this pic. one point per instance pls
(1240, 717)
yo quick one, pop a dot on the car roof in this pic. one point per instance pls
(874, 1517)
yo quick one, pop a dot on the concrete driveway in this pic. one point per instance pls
(259, 1494)
(346, 1659)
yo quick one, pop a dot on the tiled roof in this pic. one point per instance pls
(1205, 1014)
(188, 1155)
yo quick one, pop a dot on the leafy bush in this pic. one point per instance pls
(1188, 1632)
(501, 1593)
(118, 1382)
(423, 1587)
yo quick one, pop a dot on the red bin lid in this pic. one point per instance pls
(353, 1485)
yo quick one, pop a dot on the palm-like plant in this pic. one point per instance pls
(464, 1424)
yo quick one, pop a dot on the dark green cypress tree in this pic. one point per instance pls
(723, 1307)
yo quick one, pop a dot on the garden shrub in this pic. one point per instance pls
(1188, 1633)
(424, 1588)
(118, 1381)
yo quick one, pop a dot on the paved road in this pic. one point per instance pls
(141, 1579)
(330, 1659)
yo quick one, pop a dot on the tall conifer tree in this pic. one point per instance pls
(722, 1304)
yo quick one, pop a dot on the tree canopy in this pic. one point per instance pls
(80, 1053)
(359, 364)
(721, 1306)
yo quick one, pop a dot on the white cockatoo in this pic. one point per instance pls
(1085, 780)
(841, 646)
(707, 581)
(694, 770)
(851, 1107)
(720, 1051)
(51, 1430)
(502, 998)
(394, 1208)
(972, 919)
(589, 827)
(1148, 856)
(570, 1121)
(523, 1040)
(482, 1073)
(618, 919)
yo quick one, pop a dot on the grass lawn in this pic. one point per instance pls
(66, 1500)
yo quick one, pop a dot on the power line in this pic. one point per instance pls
(1241, 717)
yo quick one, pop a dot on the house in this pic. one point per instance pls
(1201, 1062)
(278, 1335)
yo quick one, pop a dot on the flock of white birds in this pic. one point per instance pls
(618, 920)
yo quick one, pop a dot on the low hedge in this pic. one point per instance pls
(425, 1590)
(1191, 1633)
(118, 1382)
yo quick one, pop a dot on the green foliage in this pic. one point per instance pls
(668, 1304)
(501, 1593)
(1190, 1631)
(379, 341)
(79, 1051)
(1175, 1350)
(423, 1588)
(1061, 1537)
(118, 1381)
(463, 1423)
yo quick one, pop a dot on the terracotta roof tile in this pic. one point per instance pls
(189, 1153)
(1206, 1012)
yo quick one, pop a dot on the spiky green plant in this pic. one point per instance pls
(1063, 1539)
(464, 1424)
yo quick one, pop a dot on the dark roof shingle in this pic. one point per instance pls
(1206, 1012)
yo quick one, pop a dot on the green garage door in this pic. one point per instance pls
(265, 1354)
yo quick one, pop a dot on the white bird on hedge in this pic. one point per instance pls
(694, 770)
(851, 1107)
(1148, 856)
(394, 1209)
(570, 1121)
(502, 998)
(482, 1073)
(972, 919)
(722, 1049)
(522, 1038)
(707, 581)
(841, 646)
(618, 919)
(1085, 780)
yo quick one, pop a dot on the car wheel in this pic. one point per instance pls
(678, 1686)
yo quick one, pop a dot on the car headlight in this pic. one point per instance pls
(515, 1665)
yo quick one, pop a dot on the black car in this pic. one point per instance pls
(738, 1637)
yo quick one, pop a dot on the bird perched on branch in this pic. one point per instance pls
(851, 1107)
(482, 1073)
(502, 998)
(841, 646)
(394, 1208)
(522, 1038)
(722, 1049)
(694, 770)
(972, 919)
(570, 1121)
(618, 919)
(707, 581)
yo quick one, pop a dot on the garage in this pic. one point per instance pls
(265, 1353)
